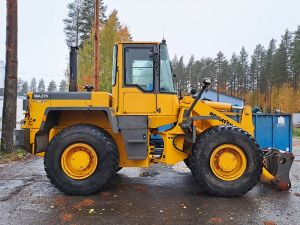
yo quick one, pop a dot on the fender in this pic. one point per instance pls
(51, 118)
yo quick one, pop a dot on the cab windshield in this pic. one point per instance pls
(166, 76)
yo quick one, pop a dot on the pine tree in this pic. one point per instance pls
(233, 70)
(287, 41)
(63, 85)
(24, 88)
(243, 72)
(295, 58)
(41, 86)
(33, 87)
(197, 74)
(190, 74)
(72, 23)
(52, 86)
(268, 74)
(280, 65)
(221, 66)
(79, 22)
(179, 70)
(209, 70)
(256, 72)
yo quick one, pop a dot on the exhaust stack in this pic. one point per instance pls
(73, 87)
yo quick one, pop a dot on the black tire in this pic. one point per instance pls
(105, 148)
(207, 142)
(187, 162)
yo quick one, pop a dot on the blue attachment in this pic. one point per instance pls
(273, 131)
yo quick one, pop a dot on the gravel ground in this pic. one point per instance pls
(159, 194)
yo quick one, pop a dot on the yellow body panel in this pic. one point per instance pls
(167, 104)
(134, 103)
(155, 121)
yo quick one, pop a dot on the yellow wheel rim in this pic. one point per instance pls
(228, 162)
(79, 161)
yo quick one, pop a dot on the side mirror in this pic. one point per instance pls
(89, 88)
(175, 79)
(206, 82)
(193, 91)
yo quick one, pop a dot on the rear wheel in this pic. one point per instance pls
(226, 161)
(81, 159)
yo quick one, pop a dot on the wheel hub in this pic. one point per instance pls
(228, 162)
(79, 161)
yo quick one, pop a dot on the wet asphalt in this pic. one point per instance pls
(156, 195)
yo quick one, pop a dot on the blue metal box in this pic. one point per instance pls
(273, 131)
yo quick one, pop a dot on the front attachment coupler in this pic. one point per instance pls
(277, 165)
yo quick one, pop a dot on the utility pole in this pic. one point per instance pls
(96, 46)
(11, 77)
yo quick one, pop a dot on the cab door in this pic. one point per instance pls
(138, 91)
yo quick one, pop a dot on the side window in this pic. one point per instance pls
(166, 76)
(139, 68)
(114, 65)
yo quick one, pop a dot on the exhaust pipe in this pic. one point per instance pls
(73, 87)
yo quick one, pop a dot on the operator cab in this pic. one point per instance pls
(142, 79)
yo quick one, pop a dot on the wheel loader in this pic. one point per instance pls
(86, 137)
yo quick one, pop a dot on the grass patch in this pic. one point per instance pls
(296, 132)
(14, 156)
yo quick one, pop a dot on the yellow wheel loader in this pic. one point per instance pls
(86, 137)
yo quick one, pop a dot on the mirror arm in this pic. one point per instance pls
(205, 86)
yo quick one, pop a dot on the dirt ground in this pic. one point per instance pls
(157, 195)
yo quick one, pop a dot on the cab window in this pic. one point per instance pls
(114, 65)
(166, 81)
(139, 68)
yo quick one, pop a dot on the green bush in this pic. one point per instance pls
(296, 132)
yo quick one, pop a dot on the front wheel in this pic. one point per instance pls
(226, 161)
(81, 159)
(187, 162)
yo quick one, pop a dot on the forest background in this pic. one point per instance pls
(267, 77)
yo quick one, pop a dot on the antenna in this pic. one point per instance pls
(163, 32)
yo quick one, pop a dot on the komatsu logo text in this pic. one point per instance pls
(224, 121)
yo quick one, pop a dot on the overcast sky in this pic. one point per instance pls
(199, 27)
